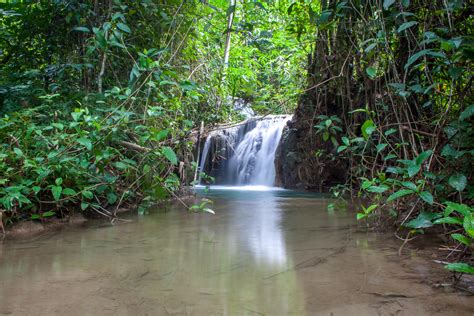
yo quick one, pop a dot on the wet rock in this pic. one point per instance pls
(303, 160)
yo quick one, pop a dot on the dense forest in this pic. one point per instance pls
(102, 103)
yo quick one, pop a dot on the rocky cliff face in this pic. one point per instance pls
(303, 160)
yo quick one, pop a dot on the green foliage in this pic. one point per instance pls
(202, 207)
(460, 267)
(397, 74)
(329, 128)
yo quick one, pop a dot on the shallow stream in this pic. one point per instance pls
(265, 252)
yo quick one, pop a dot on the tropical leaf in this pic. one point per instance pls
(458, 182)
(406, 25)
(399, 194)
(170, 155)
(460, 267)
(85, 142)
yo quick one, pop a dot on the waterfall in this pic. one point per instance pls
(244, 154)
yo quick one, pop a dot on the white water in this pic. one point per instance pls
(257, 188)
(245, 154)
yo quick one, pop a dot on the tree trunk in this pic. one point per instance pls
(230, 20)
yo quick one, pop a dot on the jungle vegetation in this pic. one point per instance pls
(101, 102)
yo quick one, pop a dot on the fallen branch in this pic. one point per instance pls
(135, 147)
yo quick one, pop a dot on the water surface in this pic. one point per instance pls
(265, 252)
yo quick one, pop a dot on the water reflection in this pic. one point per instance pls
(270, 252)
(263, 236)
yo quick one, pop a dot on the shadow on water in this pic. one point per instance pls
(266, 252)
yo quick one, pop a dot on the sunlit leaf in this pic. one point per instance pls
(461, 238)
(460, 267)
(368, 128)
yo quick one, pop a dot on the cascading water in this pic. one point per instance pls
(244, 154)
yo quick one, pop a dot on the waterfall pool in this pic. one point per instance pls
(265, 252)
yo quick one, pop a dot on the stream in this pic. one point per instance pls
(265, 252)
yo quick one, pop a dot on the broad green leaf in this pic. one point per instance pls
(18, 152)
(458, 182)
(69, 191)
(424, 220)
(146, 169)
(56, 190)
(423, 156)
(399, 194)
(48, 214)
(449, 152)
(325, 136)
(381, 147)
(76, 115)
(394, 170)
(170, 155)
(167, 82)
(121, 165)
(58, 126)
(124, 27)
(84, 206)
(389, 156)
(387, 4)
(87, 194)
(115, 43)
(85, 142)
(421, 53)
(346, 141)
(390, 132)
(378, 189)
(111, 198)
(372, 72)
(159, 136)
(368, 128)
(82, 29)
(406, 25)
(467, 113)
(460, 267)
(462, 239)
(413, 170)
(341, 148)
(409, 185)
(427, 197)
(449, 220)
(58, 181)
(370, 209)
(460, 208)
(468, 224)
(370, 47)
(361, 216)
